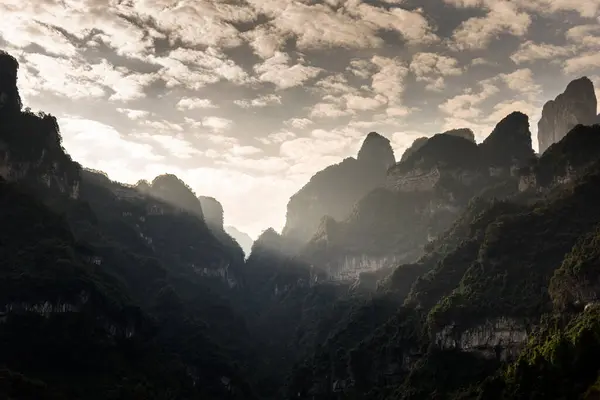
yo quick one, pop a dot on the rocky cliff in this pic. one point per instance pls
(576, 105)
(334, 190)
(10, 101)
(563, 161)
(31, 151)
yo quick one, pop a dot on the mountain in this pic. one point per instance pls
(334, 190)
(244, 240)
(496, 307)
(419, 142)
(423, 195)
(134, 279)
(576, 105)
(464, 271)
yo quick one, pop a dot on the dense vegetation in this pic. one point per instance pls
(109, 291)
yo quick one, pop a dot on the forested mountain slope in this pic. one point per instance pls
(466, 271)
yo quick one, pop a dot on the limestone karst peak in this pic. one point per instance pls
(576, 105)
(464, 133)
(509, 143)
(170, 188)
(9, 94)
(213, 211)
(578, 85)
(376, 149)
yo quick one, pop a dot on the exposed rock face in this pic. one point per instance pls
(10, 101)
(213, 212)
(243, 239)
(442, 155)
(30, 144)
(577, 105)
(501, 338)
(564, 161)
(509, 144)
(334, 190)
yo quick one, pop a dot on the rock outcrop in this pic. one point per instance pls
(509, 146)
(577, 105)
(334, 190)
(30, 144)
(10, 101)
(564, 161)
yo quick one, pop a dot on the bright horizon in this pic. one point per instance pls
(245, 103)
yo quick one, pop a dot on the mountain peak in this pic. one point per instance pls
(171, 189)
(9, 94)
(510, 142)
(376, 149)
(580, 84)
(213, 212)
(576, 105)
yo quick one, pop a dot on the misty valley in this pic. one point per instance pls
(457, 270)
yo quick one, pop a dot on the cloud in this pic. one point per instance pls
(277, 70)
(587, 36)
(177, 146)
(585, 62)
(262, 101)
(465, 106)
(97, 145)
(133, 114)
(389, 80)
(329, 110)
(502, 17)
(432, 67)
(194, 103)
(75, 79)
(298, 123)
(278, 137)
(522, 81)
(530, 51)
(217, 124)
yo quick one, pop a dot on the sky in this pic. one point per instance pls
(246, 99)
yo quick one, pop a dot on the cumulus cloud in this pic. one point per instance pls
(465, 105)
(261, 101)
(217, 124)
(97, 144)
(277, 70)
(194, 103)
(76, 79)
(177, 146)
(503, 17)
(522, 81)
(530, 51)
(432, 68)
